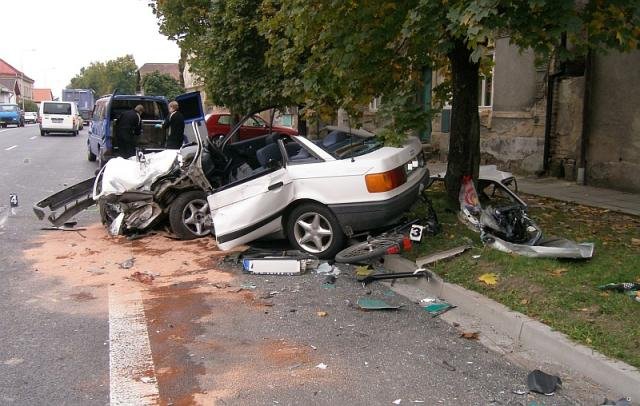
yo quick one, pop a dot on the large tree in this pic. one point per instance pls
(225, 50)
(161, 84)
(357, 50)
(105, 77)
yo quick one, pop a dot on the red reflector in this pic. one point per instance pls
(406, 244)
(393, 250)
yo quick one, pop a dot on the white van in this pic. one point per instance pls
(59, 117)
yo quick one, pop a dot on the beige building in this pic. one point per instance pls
(537, 118)
(16, 82)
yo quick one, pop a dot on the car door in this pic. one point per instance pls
(251, 209)
(191, 108)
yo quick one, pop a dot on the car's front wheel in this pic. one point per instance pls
(313, 228)
(189, 215)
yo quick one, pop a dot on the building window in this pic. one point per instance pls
(485, 89)
(375, 104)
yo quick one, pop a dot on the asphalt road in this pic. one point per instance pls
(211, 341)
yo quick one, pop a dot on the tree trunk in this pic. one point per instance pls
(464, 138)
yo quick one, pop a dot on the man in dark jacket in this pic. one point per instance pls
(175, 124)
(128, 128)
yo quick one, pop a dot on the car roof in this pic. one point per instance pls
(133, 97)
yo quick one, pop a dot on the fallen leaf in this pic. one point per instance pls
(524, 301)
(489, 278)
(470, 335)
(559, 271)
(322, 314)
(635, 241)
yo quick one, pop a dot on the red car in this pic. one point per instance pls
(218, 125)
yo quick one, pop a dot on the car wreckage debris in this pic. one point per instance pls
(366, 303)
(631, 289)
(510, 229)
(418, 273)
(442, 255)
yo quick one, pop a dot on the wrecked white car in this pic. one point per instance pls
(315, 192)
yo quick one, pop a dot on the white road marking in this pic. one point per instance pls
(10, 148)
(1, 131)
(34, 137)
(130, 352)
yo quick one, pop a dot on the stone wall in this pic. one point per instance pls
(613, 148)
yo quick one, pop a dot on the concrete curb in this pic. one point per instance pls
(513, 333)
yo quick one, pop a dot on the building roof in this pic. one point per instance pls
(170, 69)
(7, 70)
(11, 84)
(40, 95)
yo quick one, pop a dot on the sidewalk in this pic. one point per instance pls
(571, 192)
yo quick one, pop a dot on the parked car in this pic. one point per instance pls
(10, 114)
(315, 193)
(102, 144)
(58, 117)
(219, 125)
(30, 117)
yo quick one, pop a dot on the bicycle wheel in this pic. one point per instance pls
(368, 250)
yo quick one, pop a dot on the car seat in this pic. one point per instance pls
(268, 153)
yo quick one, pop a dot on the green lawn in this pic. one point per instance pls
(560, 293)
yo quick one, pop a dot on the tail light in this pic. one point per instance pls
(385, 181)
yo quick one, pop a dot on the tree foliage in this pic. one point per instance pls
(225, 50)
(328, 54)
(105, 77)
(30, 105)
(161, 84)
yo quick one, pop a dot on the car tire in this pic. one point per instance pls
(313, 228)
(188, 215)
(75, 133)
(91, 157)
(43, 133)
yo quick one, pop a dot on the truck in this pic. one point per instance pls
(84, 99)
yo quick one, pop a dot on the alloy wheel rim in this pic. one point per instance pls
(313, 232)
(194, 217)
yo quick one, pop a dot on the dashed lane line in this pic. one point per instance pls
(131, 371)
(33, 138)
(10, 148)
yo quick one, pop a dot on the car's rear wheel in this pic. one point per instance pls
(189, 215)
(313, 228)
(90, 155)
(42, 133)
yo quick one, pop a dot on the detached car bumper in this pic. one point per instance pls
(354, 217)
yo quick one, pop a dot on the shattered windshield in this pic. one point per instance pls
(342, 144)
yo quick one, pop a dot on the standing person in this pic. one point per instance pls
(128, 127)
(175, 124)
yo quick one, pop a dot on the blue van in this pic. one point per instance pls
(11, 114)
(102, 142)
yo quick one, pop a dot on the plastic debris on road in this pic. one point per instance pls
(127, 264)
(541, 382)
(366, 303)
(436, 307)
